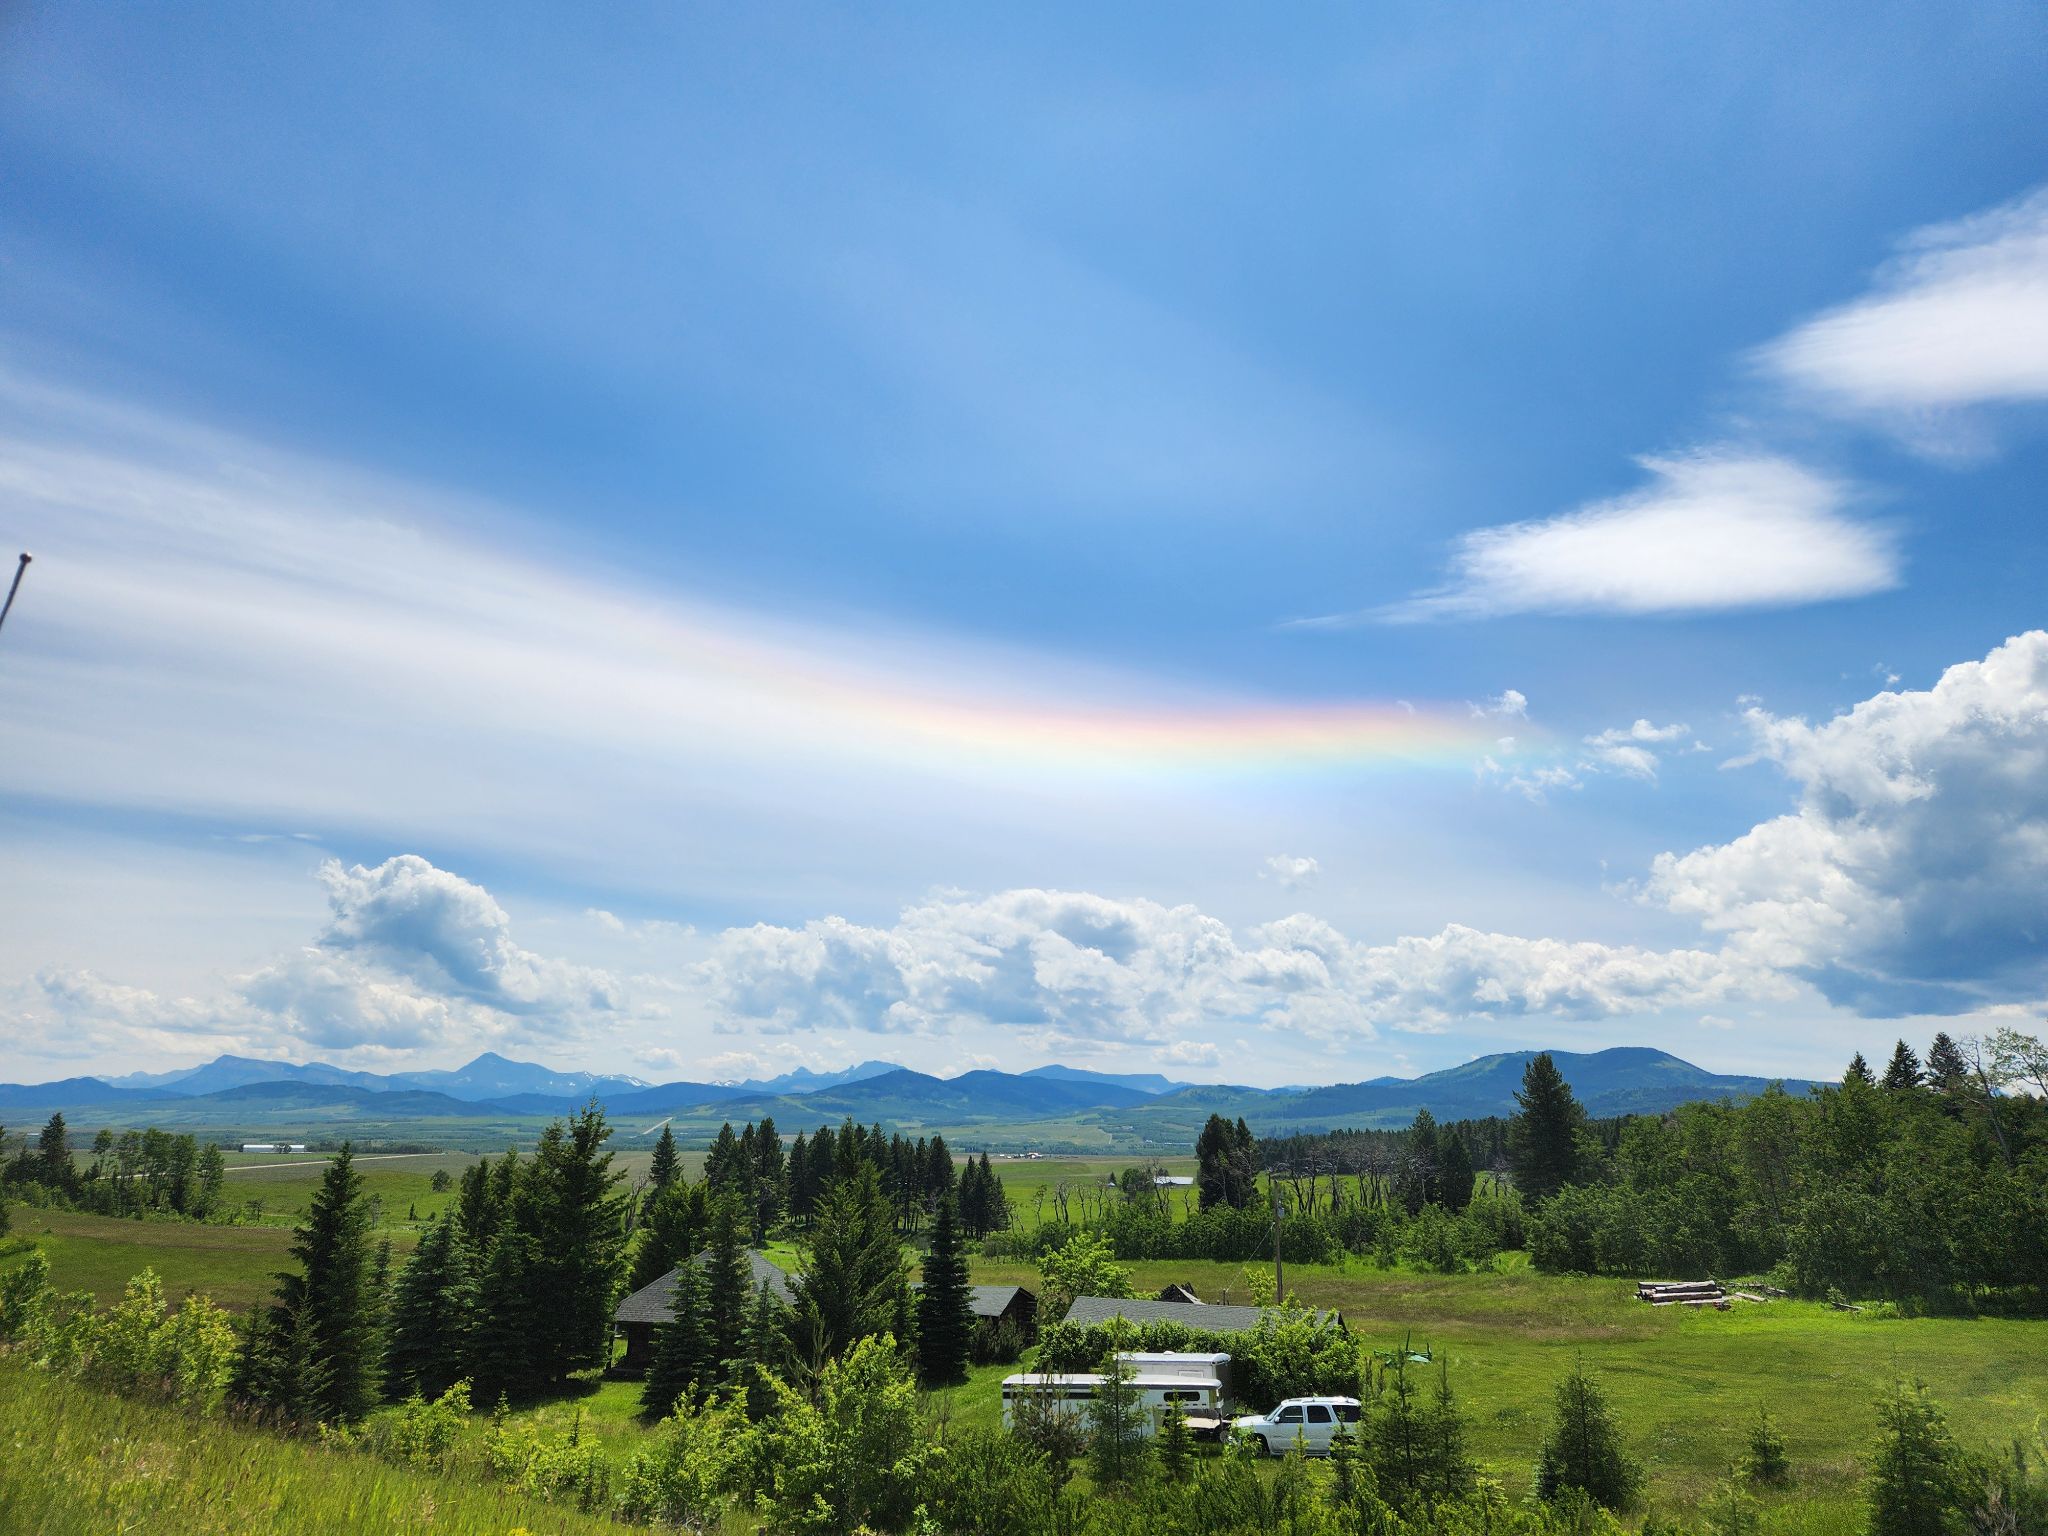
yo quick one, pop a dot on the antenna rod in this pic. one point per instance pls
(21, 566)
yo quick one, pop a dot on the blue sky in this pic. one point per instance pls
(689, 541)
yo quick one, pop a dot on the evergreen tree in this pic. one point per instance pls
(683, 1360)
(722, 1164)
(255, 1378)
(802, 1188)
(1765, 1461)
(945, 1323)
(995, 1200)
(672, 1230)
(1116, 1425)
(1456, 1180)
(1947, 1072)
(771, 1176)
(433, 1315)
(1399, 1444)
(53, 1156)
(1859, 1072)
(1585, 1450)
(726, 1284)
(1175, 1446)
(1904, 1070)
(502, 1360)
(766, 1349)
(1417, 1183)
(665, 1167)
(298, 1374)
(1916, 1474)
(1543, 1138)
(1227, 1171)
(851, 1284)
(329, 1307)
(569, 1210)
(1450, 1470)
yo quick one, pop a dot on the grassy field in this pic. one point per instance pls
(1685, 1382)
(79, 1463)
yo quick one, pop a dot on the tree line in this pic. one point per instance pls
(131, 1173)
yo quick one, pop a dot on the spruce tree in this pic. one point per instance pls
(945, 1323)
(766, 1350)
(670, 1233)
(1116, 1425)
(570, 1211)
(682, 1347)
(995, 1201)
(502, 1360)
(1418, 1177)
(433, 1315)
(771, 1176)
(1585, 1450)
(1175, 1446)
(331, 1299)
(722, 1163)
(1765, 1461)
(851, 1283)
(1543, 1139)
(1400, 1438)
(801, 1188)
(662, 1171)
(1450, 1470)
(1903, 1072)
(1947, 1071)
(1859, 1071)
(1916, 1474)
(53, 1156)
(726, 1282)
(1456, 1180)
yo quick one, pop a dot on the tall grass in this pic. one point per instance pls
(74, 1462)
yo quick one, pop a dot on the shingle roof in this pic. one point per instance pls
(992, 1300)
(652, 1303)
(1207, 1317)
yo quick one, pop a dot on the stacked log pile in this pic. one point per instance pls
(1683, 1293)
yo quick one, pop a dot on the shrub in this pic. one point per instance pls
(689, 1475)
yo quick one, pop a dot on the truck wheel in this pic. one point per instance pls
(1265, 1445)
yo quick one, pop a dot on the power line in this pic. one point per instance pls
(20, 569)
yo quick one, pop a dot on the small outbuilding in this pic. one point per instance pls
(641, 1314)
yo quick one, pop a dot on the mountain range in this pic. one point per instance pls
(1050, 1105)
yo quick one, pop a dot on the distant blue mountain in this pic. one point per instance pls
(1143, 1082)
(804, 1080)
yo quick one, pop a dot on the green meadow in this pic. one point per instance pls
(1684, 1381)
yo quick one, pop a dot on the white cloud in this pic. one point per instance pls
(1914, 875)
(1290, 871)
(1631, 749)
(1509, 703)
(1959, 319)
(1711, 531)
(1075, 966)
(1192, 1053)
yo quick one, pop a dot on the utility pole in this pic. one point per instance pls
(1279, 1275)
(20, 567)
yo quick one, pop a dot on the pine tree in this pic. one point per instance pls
(682, 1347)
(1418, 1178)
(995, 1200)
(1859, 1071)
(852, 1279)
(1456, 1180)
(53, 1156)
(1585, 1450)
(331, 1301)
(726, 1283)
(802, 1186)
(666, 1165)
(1916, 1480)
(433, 1315)
(1400, 1439)
(1903, 1072)
(213, 1168)
(722, 1162)
(1227, 1171)
(1543, 1138)
(945, 1323)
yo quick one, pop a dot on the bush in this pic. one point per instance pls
(557, 1467)
(855, 1456)
(689, 1475)
(419, 1433)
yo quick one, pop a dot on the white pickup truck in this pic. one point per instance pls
(1311, 1423)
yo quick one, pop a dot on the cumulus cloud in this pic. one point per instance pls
(1959, 319)
(1192, 1053)
(1913, 877)
(1632, 749)
(1290, 871)
(1711, 531)
(1077, 966)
